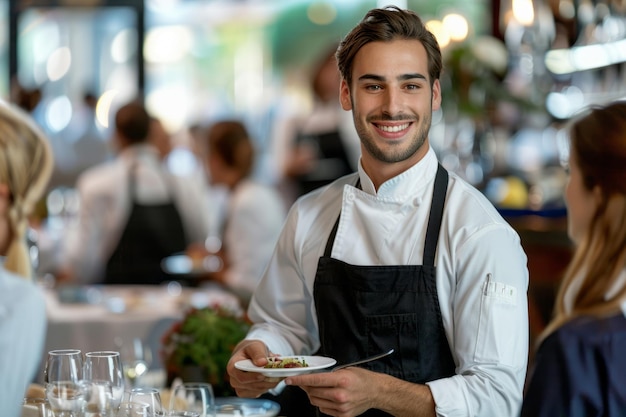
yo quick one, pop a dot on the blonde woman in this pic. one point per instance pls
(580, 367)
(25, 167)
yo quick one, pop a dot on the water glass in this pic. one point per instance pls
(106, 366)
(150, 396)
(193, 396)
(36, 407)
(64, 365)
(66, 398)
(133, 409)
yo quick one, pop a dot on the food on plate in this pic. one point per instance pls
(278, 362)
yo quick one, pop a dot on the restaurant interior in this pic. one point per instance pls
(515, 71)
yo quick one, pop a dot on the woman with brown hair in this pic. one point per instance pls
(580, 367)
(25, 166)
(254, 212)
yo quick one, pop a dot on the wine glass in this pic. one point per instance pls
(193, 396)
(66, 398)
(150, 396)
(64, 365)
(106, 366)
(35, 407)
(134, 361)
(98, 398)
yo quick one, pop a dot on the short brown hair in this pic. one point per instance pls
(230, 141)
(132, 122)
(388, 24)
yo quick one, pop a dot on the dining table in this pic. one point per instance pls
(104, 317)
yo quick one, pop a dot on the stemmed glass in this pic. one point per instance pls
(193, 396)
(134, 409)
(106, 367)
(66, 398)
(133, 360)
(150, 396)
(64, 365)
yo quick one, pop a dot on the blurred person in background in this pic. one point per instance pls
(319, 147)
(580, 366)
(400, 255)
(254, 212)
(132, 212)
(26, 163)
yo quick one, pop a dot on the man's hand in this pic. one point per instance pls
(352, 391)
(345, 393)
(250, 384)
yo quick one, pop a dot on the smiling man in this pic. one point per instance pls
(401, 254)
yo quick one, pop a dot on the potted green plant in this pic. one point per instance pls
(198, 347)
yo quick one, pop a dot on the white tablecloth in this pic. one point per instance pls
(110, 314)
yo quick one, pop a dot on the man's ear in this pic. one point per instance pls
(344, 96)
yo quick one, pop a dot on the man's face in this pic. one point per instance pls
(392, 101)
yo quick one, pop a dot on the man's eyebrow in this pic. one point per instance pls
(403, 77)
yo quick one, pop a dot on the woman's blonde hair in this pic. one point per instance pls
(26, 163)
(589, 287)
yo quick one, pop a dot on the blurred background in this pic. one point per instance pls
(515, 72)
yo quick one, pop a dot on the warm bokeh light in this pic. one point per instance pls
(167, 44)
(524, 11)
(103, 108)
(457, 26)
(439, 30)
(322, 13)
(123, 46)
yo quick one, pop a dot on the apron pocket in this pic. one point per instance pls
(397, 331)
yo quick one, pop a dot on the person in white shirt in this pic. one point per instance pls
(400, 255)
(132, 212)
(26, 164)
(254, 212)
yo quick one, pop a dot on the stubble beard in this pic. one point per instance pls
(395, 153)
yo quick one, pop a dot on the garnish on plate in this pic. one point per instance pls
(278, 362)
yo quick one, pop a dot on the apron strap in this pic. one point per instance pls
(436, 214)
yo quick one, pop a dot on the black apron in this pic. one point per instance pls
(333, 161)
(366, 310)
(152, 233)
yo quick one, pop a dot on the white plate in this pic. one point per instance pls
(252, 407)
(315, 363)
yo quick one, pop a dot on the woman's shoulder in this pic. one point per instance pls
(593, 332)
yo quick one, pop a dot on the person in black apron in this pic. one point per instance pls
(381, 307)
(372, 297)
(152, 233)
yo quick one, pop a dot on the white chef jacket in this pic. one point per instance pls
(22, 337)
(482, 278)
(255, 217)
(105, 207)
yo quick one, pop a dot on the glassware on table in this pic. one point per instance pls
(98, 399)
(150, 396)
(193, 396)
(66, 398)
(134, 361)
(106, 366)
(36, 407)
(133, 409)
(64, 365)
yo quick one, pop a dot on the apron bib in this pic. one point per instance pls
(152, 233)
(365, 310)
